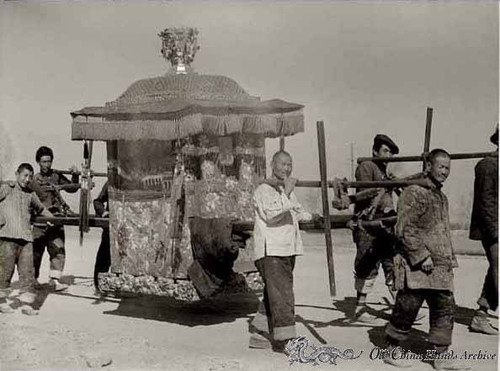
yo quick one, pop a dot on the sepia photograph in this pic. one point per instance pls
(249, 185)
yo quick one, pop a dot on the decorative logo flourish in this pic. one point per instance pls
(296, 353)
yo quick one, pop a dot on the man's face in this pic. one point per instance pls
(24, 177)
(383, 152)
(439, 169)
(282, 166)
(45, 163)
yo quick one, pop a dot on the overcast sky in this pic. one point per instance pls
(361, 67)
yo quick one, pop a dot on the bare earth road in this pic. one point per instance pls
(76, 331)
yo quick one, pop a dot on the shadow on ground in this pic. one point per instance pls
(212, 311)
(204, 312)
(42, 291)
(346, 307)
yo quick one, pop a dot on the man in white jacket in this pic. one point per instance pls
(277, 242)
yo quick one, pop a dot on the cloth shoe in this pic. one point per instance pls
(481, 324)
(56, 285)
(6, 308)
(29, 311)
(362, 316)
(394, 357)
(449, 364)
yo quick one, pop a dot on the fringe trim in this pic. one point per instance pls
(270, 125)
(137, 195)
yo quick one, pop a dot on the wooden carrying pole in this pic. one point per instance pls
(326, 206)
(427, 147)
(453, 156)
(68, 172)
(427, 138)
(367, 184)
(337, 221)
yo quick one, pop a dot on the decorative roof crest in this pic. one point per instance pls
(179, 46)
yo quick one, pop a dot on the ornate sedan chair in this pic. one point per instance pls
(184, 152)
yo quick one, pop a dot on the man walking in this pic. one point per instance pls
(484, 227)
(424, 265)
(17, 204)
(103, 257)
(51, 237)
(277, 242)
(374, 246)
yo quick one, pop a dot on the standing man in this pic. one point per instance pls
(17, 204)
(51, 237)
(277, 242)
(374, 246)
(103, 258)
(424, 265)
(484, 227)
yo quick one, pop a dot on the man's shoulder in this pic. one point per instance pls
(416, 190)
(368, 164)
(368, 170)
(38, 178)
(264, 188)
(487, 163)
(8, 184)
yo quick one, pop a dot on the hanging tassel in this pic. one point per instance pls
(400, 266)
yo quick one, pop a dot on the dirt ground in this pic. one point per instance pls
(75, 330)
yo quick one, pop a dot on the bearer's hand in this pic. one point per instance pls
(50, 215)
(290, 185)
(73, 169)
(427, 265)
(317, 218)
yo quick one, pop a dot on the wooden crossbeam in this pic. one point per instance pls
(453, 156)
(61, 187)
(427, 146)
(94, 221)
(68, 172)
(337, 221)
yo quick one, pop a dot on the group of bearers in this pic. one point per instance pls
(416, 255)
(24, 245)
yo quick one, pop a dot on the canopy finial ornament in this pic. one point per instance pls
(179, 46)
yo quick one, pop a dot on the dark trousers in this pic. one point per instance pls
(276, 313)
(489, 294)
(16, 252)
(441, 314)
(52, 238)
(373, 248)
(103, 258)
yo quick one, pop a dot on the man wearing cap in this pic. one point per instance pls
(374, 246)
(484, 228)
